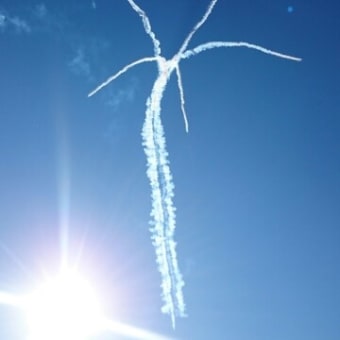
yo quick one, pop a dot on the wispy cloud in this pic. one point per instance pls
(58, 23)
(20, 25)
(8, 22)
(116, 98)
(2, 20)
(79, 65)
(40, 11)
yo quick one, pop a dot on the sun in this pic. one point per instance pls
(66, 306)
(63, 307)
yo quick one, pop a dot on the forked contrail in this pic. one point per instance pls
(158, 170)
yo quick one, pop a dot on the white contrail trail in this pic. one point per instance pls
(163, 210)
(123, 70)
(181, 94)
(158, 169)
(147, 27)
(197, 26)
(218, 44)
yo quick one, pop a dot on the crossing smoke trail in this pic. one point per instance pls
(158, 170)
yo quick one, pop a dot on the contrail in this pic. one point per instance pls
(217, 44)
(123, 70)
(162, 187)
(197, 26)
(181, 94)
(163, 215)
(147, 27)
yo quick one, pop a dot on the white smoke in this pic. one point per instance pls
(218, 44)
(158, 168)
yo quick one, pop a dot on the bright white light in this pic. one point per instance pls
(64, 307)
(9, 299)
(131, 332)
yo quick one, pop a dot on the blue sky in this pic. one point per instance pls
(257, 177)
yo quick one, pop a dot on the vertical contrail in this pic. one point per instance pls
(158, 169)
(162, 191)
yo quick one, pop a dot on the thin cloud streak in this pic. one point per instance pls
(14, 22)
(40, 11)
(79, 64)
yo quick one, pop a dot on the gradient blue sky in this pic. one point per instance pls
(257, 178)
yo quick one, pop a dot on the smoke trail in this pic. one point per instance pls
(163, 215)
(181, 94)
(217, 44)
(147, 27)
(197, 26)
(162, 192)
(120, 72)
(162, 189)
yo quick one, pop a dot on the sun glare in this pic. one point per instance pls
(64, 307)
